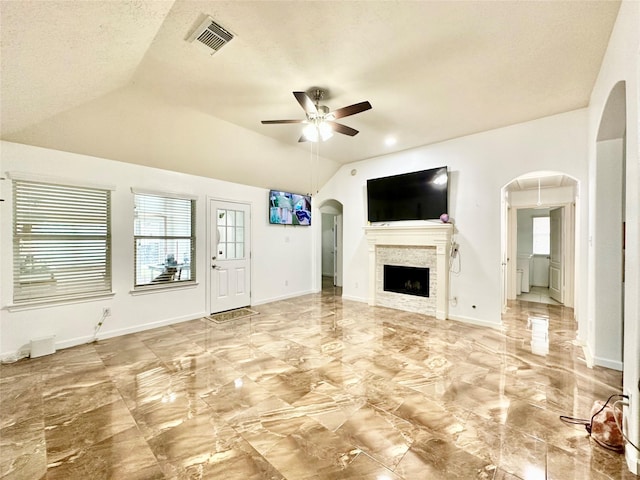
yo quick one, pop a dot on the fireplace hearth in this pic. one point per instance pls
(406, 280)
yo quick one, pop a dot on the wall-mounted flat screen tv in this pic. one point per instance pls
(289, 208)
(419, 195)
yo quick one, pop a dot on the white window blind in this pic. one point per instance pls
(61, 241)
(164, 236)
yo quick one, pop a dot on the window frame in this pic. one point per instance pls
(151, 286)
(29, 189)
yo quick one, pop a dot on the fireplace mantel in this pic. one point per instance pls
(436, 235)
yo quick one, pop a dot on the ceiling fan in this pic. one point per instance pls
(320, 121)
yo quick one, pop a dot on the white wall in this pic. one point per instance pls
(479, 165)
(622, 63)
(279, 254)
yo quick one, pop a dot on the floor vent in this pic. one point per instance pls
(210, 36)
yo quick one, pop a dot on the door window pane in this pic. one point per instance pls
(231, 228)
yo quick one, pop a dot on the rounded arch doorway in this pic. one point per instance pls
(539, 238)
(331, 244)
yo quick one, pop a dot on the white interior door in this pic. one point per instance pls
(230, 256)
(556, 263)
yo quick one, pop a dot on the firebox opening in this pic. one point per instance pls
(407, 280)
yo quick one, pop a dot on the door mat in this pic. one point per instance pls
(229, 315)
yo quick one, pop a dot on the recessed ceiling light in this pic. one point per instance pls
(390, 141)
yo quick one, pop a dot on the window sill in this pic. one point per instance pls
(18, 307)
(150, 289)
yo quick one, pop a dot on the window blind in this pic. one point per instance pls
(164, 236)
(61, 241)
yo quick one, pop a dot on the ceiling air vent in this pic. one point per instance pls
(210, 36)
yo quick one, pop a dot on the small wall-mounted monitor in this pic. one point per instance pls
(289, 208)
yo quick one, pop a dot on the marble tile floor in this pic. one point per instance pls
(312, 388)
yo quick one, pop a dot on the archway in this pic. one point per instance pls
(331, 243)
(607, 230)
(540, 195)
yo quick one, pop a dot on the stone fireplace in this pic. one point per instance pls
(422, 252)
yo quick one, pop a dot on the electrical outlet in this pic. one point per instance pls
(106, 311)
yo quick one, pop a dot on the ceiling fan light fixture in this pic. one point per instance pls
(326, 132)
(320, 121)
(317, 131)
(310, 132)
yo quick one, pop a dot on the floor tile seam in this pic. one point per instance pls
(257, 452)
(386, 467)
(372, 454)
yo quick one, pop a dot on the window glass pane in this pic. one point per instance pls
(541, 232)
(61, 242)
(164, 239)
(231, 217)
(222, 251)
(239, 234)
(222, 217)
(239, 218)
(239, 250)
(223, 234)
(161, 260)
(231, 251)
(231, 234)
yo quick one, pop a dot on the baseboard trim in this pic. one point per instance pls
(282, 297)
(474, 321)
(354, 299)
(608, 363)
(633, 460)
(24, 351)
(126, 331)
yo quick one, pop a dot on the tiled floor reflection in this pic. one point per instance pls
(312, 388)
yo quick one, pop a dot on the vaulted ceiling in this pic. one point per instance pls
(120, 80)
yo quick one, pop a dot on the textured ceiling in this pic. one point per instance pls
(118, 79)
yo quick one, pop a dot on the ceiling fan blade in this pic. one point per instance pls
(338, 127)
(305, 102)
(351, 110)
(270, 122)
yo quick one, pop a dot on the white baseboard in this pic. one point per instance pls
(125, 331)
(23, 352)
(282, 297)
(354, 299)
(633, 460)
(608, 363)
(474, 321)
